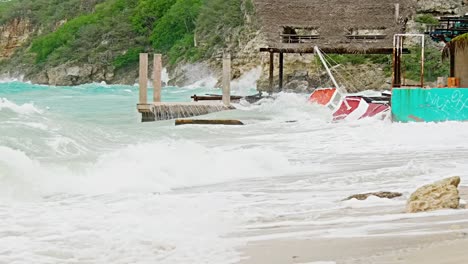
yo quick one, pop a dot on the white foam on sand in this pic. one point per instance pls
(174, 195)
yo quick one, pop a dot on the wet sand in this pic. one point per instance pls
(432, 239)
(437, 249)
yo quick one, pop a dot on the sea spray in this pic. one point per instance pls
(247, 83)
(82, 180)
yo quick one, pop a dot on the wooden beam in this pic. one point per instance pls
(179, 122)
(157, 68)
(329, 50)
(281, 59)
(272, 68)
(143, 78)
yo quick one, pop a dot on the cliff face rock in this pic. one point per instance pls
(446, 7)
(244, 46)
(69, 74)
(13, 35)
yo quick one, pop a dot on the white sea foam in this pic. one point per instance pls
(165, 76)
(24, 109)
(247, 82)
(156, 167)
(10, 79)
(101, 187)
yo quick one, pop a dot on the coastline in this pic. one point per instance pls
(421, 238)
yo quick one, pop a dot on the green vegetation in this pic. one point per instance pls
(427, 19)
(433, 65)
(176, 28)
(112, 32)
(87, 38)
(45, 12)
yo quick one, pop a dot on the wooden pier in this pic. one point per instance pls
(158, 110)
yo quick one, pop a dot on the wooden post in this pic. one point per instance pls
(143, 78)
(281, 58)
(397, 13)
(452, 62)
(227, 79)
(272, 68)
(157, 67)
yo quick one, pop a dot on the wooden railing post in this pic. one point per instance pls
(143, 78)
(227, 79)
(272, 68)
(157, 67)
(281, 61)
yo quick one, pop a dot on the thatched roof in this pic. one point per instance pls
(460, 42)
(341, 24)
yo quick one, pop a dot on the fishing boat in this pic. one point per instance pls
(409, 103)
(348, 107)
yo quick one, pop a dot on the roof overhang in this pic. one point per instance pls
(332, 50)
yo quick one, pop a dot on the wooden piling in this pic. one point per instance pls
(452, 63)
(281, 59)
(143, 78)
(272, 68)
(157, 68)
(227, 79)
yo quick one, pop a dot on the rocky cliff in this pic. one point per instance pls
(300, 71)
(13, 35)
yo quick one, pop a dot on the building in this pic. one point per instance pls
(336, 26)
(457, 51)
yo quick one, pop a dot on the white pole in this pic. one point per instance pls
(143, 79)
(317, 50)
(157, 67)
(422, 60)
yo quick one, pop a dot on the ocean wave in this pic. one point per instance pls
(24, 109)
(155, 167)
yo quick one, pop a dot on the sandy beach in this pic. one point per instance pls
(421, 238)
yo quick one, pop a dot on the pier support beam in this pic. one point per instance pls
(281, 59)
(272, 69)
(227, 79)
(143, 78)
(157, 67)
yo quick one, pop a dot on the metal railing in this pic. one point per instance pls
(294, 38)
(364, 37)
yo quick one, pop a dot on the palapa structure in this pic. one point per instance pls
(335, 26)
(457, 51)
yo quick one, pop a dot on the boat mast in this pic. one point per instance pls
(322, 59)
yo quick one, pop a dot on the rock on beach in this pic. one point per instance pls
(443, 194)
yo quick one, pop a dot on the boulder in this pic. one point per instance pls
(443, 194)
(364, 196)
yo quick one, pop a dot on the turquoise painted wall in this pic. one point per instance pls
(429, 104)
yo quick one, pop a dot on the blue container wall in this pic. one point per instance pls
(429, 104)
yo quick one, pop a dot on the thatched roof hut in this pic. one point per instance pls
(457, 51)
(343, 26)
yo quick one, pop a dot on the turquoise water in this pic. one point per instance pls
(82, 180)
(88, 117)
